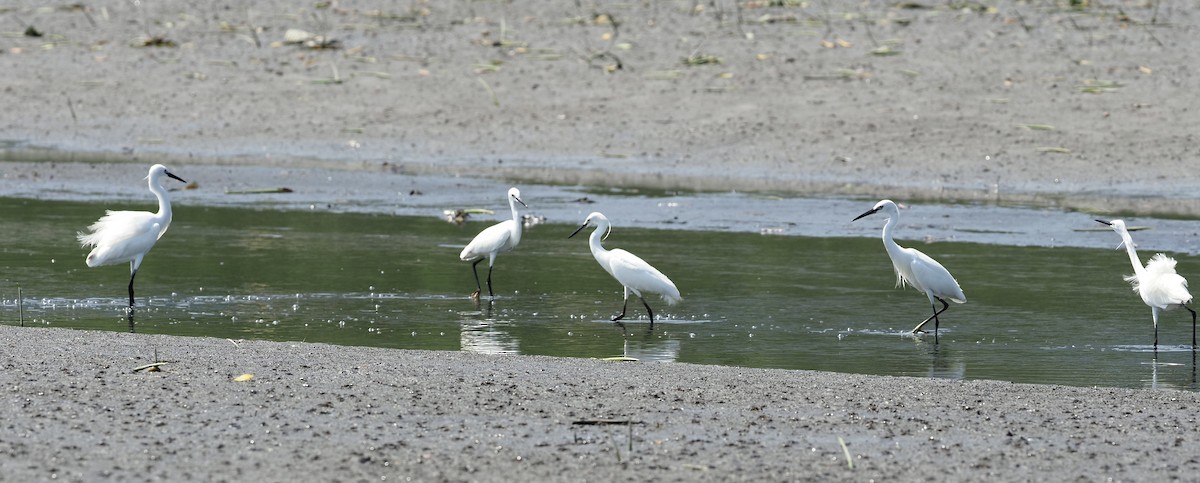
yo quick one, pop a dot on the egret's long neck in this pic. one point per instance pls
(594, 241)
(1133, 256)
(164, 200)
(888, 243)
(516, 216)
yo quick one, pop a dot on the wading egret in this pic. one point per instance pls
(1158, 284)
(501, 237)
(917, 269)
(634, 273)
(126, 236)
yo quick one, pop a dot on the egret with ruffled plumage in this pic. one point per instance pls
(127, 236)
(1157, 283)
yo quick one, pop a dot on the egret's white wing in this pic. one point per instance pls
(933, 278)
(639, 276)
(495, 238)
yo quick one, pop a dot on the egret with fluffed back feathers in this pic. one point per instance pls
(126, 236)
(1158, 284)
(501, 237)
(632, 272)
(917, 269)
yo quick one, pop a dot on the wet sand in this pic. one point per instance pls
(75, 411)
(1027, 103)
(324, 189)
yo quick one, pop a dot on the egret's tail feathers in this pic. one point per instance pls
(90, 240)
(94, 259)
(1133, 280)
(670, 294)
(86, 239)
(471, 253)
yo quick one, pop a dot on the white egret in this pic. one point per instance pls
(632, 272)
(917, 269)
(1158, 284)
(501, 237)
(126, 236)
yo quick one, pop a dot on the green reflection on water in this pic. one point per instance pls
(1043, 315)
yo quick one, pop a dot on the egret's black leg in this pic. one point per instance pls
(926, 321)
(475, 272)
(623, 309)
(1189, 309)
(131, 276)
(490, 294)
(648, 311)
(932, 317)
(937, 322)
(129, 313)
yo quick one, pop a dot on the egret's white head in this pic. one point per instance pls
(157, 171)
(888, 207)
(598, 220)
(515, 195)
(1119, 227)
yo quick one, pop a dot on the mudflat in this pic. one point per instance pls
(1045, 102)
(77, 411)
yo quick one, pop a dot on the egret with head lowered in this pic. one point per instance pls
(1158, 284)
(126, 236)
(917, 269)
(634, 273)
(501, 237)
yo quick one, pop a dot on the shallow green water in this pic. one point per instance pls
(1041, 315)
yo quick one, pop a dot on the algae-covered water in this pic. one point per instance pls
(1039, 315)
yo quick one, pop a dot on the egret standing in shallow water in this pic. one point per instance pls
(633, 272)
(917, 269)
(501, 237)
(1158, 284)
(126, 236)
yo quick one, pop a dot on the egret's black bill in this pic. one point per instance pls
(577, 230)
(168, 173)
(871, 211)
(521, 202)
(1105, 222)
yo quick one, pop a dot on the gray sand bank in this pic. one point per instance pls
(75, 411)
(1029, 102)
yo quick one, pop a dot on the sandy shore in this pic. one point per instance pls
(1018, 102)
(75, 411)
